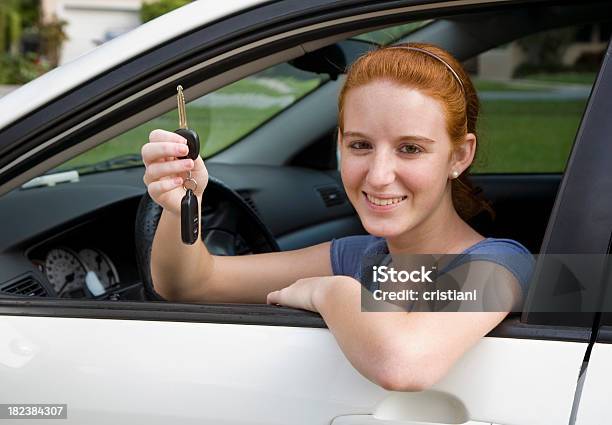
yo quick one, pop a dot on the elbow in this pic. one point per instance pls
(410, 372)
(177, 295)
(400, 382)
(161, 292)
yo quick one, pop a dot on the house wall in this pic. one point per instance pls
(91, 22)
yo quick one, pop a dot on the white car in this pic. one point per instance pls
(81, 326)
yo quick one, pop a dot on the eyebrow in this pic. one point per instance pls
(411, 138)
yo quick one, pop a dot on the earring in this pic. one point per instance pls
(455, 174)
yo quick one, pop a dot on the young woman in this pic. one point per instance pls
(407, 136)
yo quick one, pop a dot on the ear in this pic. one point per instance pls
(463, 154)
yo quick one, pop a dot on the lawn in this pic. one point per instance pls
(493, 85)
(229, 124)
(523, 137)
(230, 114)
(587, 78)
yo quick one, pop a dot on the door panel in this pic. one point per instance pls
(595, 406)
(120, 371)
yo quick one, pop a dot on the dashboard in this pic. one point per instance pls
(76, 240)
(92, 258)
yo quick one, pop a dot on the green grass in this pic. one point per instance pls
(491, 85)
(230, 124)
(390, 35)
(522, 137)
(587, 78)
(218, 127)
(298, 87)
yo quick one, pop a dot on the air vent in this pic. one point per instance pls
(24, 286)
(331, 195)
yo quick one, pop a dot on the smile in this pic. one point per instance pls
(382, 202)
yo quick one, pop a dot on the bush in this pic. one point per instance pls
(589, 61)
(18, 69)
(151, 10)
(525, 69)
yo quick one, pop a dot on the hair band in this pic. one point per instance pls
(427, 52)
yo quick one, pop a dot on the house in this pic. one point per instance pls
(91, 22)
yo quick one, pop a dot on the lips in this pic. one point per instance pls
(384, 200)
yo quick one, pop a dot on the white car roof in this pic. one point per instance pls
(110, 54)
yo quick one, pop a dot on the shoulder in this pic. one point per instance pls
(498, 245)
(507, 253)
(346, 253)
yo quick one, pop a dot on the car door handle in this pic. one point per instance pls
(373, 420)
(414, 408)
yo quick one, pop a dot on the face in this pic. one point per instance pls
(396, 158)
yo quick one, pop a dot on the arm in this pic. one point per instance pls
(189, 272)
(399, 351)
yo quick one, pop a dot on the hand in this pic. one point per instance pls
(165, 173)
(304, 293)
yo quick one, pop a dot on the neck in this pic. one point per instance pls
(442, 232)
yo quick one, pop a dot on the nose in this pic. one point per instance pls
(381, 170)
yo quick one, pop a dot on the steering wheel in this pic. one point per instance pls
(230, 226)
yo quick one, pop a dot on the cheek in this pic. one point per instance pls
(424, 178)
(353, 171)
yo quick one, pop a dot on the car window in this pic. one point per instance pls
(392, 34)
(221, 118)
(533, 93)
(227, 115)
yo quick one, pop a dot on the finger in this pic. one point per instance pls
(154, 152)
(161, 136)
(158, 188)
(273, 298)
(158, 170)
(199, 164)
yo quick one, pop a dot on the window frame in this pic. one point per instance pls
(251, 314)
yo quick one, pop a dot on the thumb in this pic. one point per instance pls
(272, 298)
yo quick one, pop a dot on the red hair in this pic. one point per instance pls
(427, 72)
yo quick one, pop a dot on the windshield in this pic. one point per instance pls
(221, 118)
(225, 116)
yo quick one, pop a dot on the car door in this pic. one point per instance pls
(148, 362)
(597, 370)
(594, 400)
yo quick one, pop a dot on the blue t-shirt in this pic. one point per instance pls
(347, 255)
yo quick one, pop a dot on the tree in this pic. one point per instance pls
(22, 36)
(152, 9)
(544, 51)
(10, 26)
(52, 36)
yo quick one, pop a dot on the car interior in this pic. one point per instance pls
(276, 188)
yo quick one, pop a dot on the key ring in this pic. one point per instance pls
(190, 179)
(195, 184)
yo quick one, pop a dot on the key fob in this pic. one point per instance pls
(193, 142)
(189, 218)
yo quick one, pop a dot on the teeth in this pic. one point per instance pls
(383, 202)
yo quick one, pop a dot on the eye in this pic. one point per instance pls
(411, 149)
(359, 145)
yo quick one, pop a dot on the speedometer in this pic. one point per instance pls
(98, 262)
(64, 270)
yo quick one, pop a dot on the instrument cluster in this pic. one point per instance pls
(83, 273)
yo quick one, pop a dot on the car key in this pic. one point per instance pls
(193, 141)
(190, 215)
